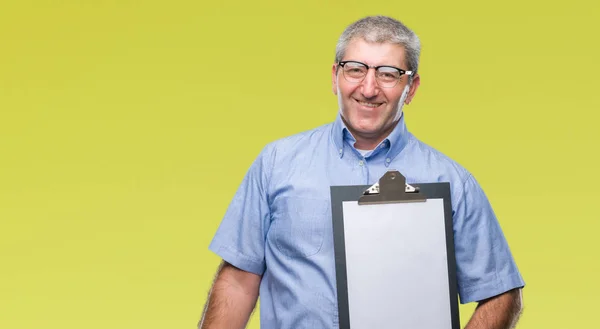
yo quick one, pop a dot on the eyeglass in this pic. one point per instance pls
(386, 76)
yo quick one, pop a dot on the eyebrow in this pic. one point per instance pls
(386, 65)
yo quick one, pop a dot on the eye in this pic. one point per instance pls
(355, 71)
(388, 74)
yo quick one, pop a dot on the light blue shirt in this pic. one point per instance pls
(279, 225)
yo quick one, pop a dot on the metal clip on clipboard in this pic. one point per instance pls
(391, 188)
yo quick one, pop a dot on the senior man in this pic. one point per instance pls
(276, 237)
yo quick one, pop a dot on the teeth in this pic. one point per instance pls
(369, 104)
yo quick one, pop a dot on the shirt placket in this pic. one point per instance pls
(364, 170)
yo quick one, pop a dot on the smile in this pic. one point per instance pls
(367, 104)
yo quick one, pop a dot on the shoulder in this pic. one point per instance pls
(288, 147)
(438, 165)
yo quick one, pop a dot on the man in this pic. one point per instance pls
(276, 237)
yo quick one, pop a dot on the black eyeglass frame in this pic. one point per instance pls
(402, 72)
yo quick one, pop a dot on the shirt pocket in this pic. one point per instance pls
(298, 226)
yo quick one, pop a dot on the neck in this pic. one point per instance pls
(364, 144)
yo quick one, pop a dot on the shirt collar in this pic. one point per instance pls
(396, 140)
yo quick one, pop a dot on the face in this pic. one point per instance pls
(370, 111)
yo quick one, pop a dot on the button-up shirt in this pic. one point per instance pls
(279, 224)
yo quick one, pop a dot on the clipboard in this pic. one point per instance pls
(394, 255)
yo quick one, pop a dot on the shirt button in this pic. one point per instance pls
(341, 150)
(388, 160)
(360, 163)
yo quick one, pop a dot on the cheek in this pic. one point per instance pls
(392, 96)
(345, 89)
(393, 99)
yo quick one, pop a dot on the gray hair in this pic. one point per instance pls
(381, 29)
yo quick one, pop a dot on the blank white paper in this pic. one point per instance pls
(396, 265)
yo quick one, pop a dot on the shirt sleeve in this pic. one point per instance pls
(240, 237)
(485, 265)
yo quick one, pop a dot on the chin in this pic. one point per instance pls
(366, 126)
(364, 123)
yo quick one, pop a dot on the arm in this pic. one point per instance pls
(499, 312)
(231, 300)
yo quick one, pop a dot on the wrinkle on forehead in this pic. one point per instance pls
(375, 53)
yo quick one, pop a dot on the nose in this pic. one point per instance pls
(369, 85)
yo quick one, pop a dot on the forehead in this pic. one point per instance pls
(372, 53)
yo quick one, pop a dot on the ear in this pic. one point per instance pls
(413, 88)
(334, 79)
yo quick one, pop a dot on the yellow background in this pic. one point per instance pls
(126, 126)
